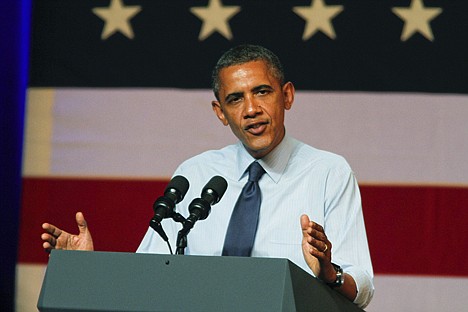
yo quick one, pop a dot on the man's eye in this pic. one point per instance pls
(234, 100)
(263, 92)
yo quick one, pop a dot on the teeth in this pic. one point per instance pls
(255, 126)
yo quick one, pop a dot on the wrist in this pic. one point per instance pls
(338, 280)
(328, 273)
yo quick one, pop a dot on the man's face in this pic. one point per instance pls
(252, 102)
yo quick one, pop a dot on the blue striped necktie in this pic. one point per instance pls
(242, 227)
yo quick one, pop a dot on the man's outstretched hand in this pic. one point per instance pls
(317, 249)
(55, 238)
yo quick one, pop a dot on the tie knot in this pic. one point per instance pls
(255, 171)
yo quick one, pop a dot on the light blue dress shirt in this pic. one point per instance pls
(299, 180)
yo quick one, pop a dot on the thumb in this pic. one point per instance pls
(81, 222)
(305, 223)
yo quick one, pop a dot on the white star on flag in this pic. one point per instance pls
(215, 17)
(117, 18)
(318, 17)
(416, 18)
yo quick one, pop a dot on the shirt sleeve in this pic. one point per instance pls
(345, 229)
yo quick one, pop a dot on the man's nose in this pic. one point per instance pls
(252, 107)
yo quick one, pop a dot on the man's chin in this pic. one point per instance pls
(258, 150)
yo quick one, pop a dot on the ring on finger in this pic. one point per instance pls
(326, 248)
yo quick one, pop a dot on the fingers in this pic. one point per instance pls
(314, 235)
(49, 241)
(305, 223)
(47, 246)
(319, 247)
(322, 246)
(50, 237)
(81, 222)
(52, 229)
(55, 238)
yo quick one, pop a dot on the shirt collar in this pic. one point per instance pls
(274, 163)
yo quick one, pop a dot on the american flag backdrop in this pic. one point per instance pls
(119, 95)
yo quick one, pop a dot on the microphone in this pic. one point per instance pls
(174, 193)
(211, 194)
(164, 206)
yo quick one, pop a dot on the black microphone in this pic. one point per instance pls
(164, 206)
(174, 193)
(211, 194)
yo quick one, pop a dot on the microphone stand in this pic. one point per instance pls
(199, 209)
(181, 243)
(177, 217)
(182, 237)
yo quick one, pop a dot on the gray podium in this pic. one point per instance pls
(112, 281)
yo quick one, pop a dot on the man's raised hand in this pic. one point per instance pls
(55, 238)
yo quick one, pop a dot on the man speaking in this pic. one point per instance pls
(284, 199)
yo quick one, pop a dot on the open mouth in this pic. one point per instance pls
(256, 128)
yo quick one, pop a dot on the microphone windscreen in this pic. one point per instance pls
(218, 185)
(179, 183)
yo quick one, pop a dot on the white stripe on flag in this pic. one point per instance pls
(418, 293)
(401, 138)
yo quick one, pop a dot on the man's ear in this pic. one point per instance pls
(288, 94)
(216, 106)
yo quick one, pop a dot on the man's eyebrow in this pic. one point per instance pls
(230, 96)
(261, 87)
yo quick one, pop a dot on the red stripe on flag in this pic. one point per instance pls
(411, 229)
(417, 229)
(117, 211)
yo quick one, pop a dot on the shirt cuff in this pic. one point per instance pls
(364, 285)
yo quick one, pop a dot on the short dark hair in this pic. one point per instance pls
(243, 54)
